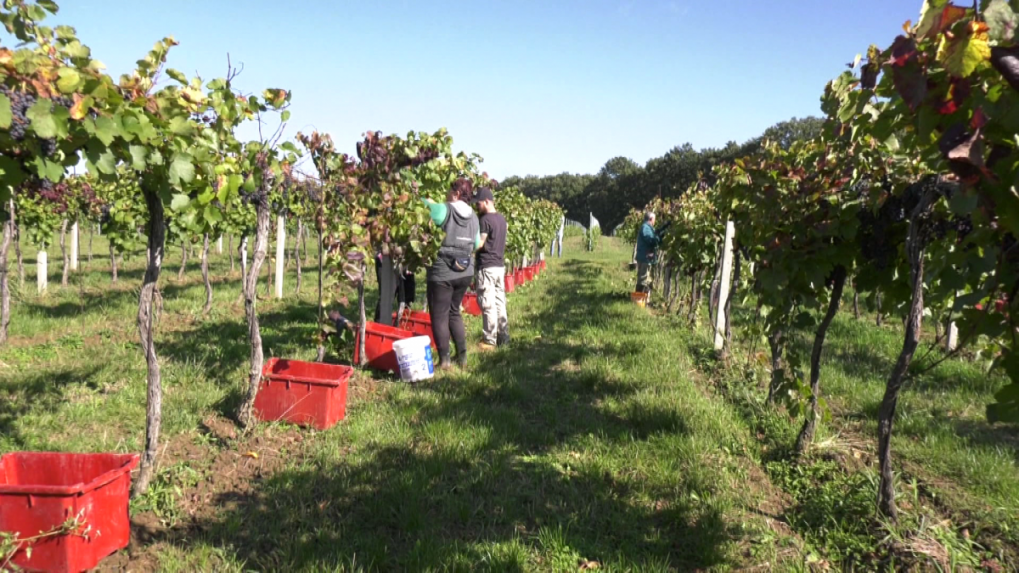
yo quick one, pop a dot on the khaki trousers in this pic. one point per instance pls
(491, 285)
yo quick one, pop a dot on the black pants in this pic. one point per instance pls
(444, 300)
(405, 295)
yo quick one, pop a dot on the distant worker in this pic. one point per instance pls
(648, 240)
(491, 272)
(450, 275)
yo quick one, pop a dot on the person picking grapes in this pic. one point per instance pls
(449, 276)
(648, 240)
(404, 287)
(491, 272)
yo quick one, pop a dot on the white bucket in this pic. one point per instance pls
(415, 358)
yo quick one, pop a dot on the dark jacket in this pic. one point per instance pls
(647, 243)
(462, 236)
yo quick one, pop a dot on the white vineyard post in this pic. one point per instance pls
(74, 246)
(42, 276)
(219, 245)
(281, 240)
(952, 340)
(724, 284)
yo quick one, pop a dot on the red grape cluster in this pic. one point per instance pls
(44, 190)
(373, 151)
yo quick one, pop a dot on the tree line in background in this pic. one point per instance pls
(622, 184)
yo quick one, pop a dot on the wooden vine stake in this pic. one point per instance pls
(74, 246)
(724, 285)
(42, 270)
(952, 340)
(281, 246)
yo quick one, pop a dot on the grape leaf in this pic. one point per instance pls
(48, 169)
(213, 215)
(182, 170)
(181, 126)
(138, 153)
(1001, 20)
(937, 16)
(179, 202)
(177, 75)
(41, 116)
(105, 162)
(5, 112)
(962, 53)
(81, 107)
(68, 81)
(105, 130)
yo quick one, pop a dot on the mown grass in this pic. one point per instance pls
(956, 474)
(586, 441)
(604, 434)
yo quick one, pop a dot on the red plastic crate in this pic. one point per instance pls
(529, 273)
(543, 264)
(470, 304)
(378, 345)
(510, 283)
(303, 393)
(518, 276)
(40, 491)
(418, 322)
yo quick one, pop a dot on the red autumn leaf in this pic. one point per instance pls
(903, 51)
(978, 120)
(950, 15)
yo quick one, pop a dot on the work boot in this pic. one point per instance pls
(444, 362)
(461, 359)
(502, 340)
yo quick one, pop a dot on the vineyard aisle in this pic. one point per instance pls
(586, 441)
(605, 433)
(577, 445)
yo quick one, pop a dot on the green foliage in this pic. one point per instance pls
(591, 237)
(124, 209)
(938, 97)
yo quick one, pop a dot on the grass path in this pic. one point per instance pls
(577, 445)
(605, 434)
(586, 441)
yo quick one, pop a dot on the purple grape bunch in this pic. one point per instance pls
(21, 102)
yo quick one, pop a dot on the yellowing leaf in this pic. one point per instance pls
(69, 80)
(962, 54)
(81, 106)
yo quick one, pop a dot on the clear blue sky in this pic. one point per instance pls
(535, 87)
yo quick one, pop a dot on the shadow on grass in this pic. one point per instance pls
(36, 393)
(493, 501)
(221, 346)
